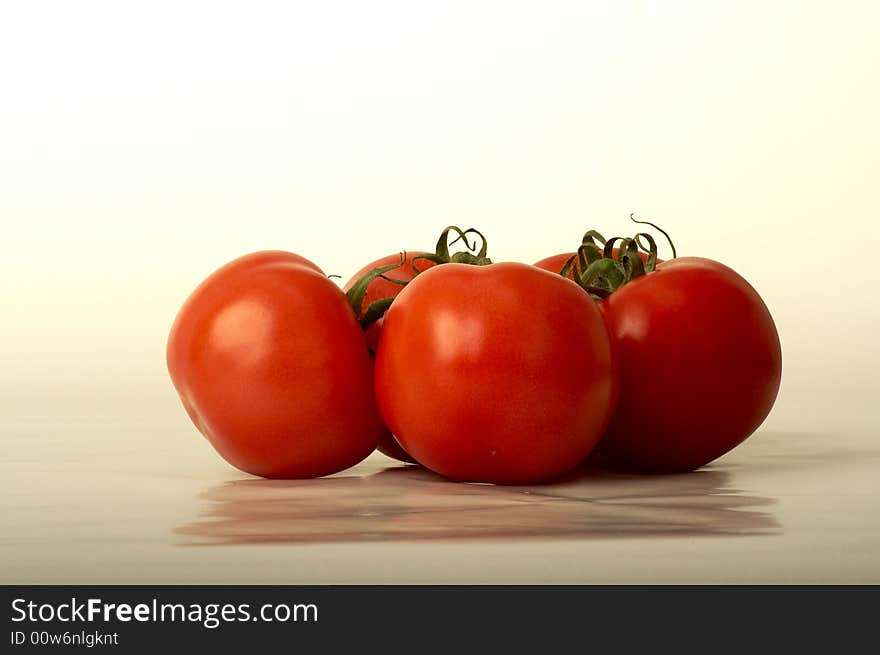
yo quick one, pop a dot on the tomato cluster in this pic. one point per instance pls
(506, 373)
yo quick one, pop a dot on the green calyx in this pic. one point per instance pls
(441, 255)
(600, 273)
(358, 291)
(441, 251)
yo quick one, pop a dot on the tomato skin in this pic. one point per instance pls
(272, 367)
(556, 263)
(499, 373)
(381, 288)
(377, 290)
(701, 366)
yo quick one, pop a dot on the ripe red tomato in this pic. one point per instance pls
(555, 263)
(700, 364)
(381, 288)
(273, 368)
(500, 373)
(378, 289)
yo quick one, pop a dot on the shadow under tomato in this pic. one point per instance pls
(409, 503)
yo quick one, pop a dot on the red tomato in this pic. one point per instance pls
(555, 263)
(700, 364)
(377, 290)
(273, 368)
(381, 288)
(500, 373)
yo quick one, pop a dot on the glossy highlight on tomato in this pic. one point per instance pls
(272, 367)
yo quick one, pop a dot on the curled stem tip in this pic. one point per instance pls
(658, 228)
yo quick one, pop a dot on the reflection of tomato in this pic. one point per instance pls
(555, 263)
(700, 366)
(273, 368)
(377, 290)
(500, 373)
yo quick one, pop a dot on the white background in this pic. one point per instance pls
(143, 145)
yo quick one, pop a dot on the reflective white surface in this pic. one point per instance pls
(127, 494)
